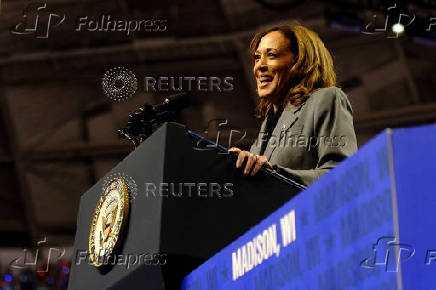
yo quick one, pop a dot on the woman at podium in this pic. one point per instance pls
(307, 126)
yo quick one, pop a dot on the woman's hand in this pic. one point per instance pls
(254, 162)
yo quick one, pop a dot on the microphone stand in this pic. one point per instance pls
(139, 128)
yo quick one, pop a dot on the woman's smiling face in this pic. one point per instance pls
(273, 59)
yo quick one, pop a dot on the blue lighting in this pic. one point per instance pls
(8, 278)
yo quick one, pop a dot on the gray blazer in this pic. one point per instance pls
(312, 138)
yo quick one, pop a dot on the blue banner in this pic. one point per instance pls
(343, 232)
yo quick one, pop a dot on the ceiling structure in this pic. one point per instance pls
(58, 129)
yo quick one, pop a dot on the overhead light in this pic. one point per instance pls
(398, 28)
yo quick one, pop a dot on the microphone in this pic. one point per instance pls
(140, 122)
(173, 103)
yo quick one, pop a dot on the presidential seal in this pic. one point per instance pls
(110, 215)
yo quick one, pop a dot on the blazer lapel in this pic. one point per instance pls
(261, 135)
(286, 121)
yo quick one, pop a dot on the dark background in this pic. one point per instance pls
(58, 129)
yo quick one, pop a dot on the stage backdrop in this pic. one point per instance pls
(368, 224)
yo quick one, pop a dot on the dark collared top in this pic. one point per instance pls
(271, 122)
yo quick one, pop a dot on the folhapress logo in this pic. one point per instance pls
(387, 253)
(38, 20)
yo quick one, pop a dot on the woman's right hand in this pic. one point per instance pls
(254, 162)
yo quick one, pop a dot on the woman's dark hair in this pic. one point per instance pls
(311, 70)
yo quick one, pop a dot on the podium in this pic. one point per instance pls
(367, 224)
(183, 224)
